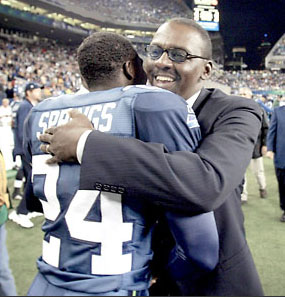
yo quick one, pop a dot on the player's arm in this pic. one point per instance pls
(27, 132)
(21, 117)
(165, 119)
(197, 245)
(33, 203)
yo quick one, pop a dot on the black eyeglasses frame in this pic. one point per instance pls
(187, 56)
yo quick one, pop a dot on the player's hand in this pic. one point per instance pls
(153, 281)
(61, 142)
(270, 155)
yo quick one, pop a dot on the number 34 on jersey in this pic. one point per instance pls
(111, 232)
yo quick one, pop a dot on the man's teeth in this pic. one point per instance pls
(164, 78)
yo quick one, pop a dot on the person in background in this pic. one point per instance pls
(261, 101)
(19, 179)
(2, 88)
(276, 150)
(277, 101)
(256, 163)
(5, 113)
(33, 95)
(190, 182)
(10, 90)
(7, 283)
(6, 134)
(15, 104)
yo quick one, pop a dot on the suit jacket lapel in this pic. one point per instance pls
(200, 101)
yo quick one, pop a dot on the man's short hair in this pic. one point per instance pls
(207, 50)
(101, 55)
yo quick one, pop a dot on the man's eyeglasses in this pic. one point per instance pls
(176, 55)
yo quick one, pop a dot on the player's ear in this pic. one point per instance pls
(129, 71)
(84, 83)
(207, 70)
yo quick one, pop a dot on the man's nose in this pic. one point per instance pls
(163, 61)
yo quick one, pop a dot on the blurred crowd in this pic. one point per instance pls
(265, 85)
(48, 64)
(254, 79)
(51, 66)
(138, 11)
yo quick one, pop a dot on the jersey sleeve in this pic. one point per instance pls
(22, 114)
(33, 203)
(166, 118)
(27, 131)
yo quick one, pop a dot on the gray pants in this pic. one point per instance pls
(257, 168)
(7, 283)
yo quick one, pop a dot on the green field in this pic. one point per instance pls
(265, 234)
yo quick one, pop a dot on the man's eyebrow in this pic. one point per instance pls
(171, 46)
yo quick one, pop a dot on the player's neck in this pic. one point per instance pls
(107, 86)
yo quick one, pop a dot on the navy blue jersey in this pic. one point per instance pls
(94, 241)
(21, 115)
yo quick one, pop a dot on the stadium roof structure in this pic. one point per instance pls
(35, 23)
(61, 23)
(92, 17)
(275, 59)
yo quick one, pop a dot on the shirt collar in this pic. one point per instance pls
(193, 98)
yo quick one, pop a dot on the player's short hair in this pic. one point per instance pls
(101, 55)
(207, 50)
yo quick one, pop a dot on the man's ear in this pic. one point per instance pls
(207, 70)
(129, 71)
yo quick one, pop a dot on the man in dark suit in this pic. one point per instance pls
(259, 150)
(208, 179)
(276, 150)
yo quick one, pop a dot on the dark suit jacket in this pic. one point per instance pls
(209, 179)
(22, 113)
(275, 137)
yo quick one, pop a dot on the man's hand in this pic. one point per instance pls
(270, 155)
(61, 142)
(264, 150)
(1, 201)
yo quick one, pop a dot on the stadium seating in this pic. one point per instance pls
(139, 11)
(276, 57)
(54, 66)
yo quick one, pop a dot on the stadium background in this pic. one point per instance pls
(38, 41)
(62, 25)
(56, 27)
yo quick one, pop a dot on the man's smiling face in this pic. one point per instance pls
(183, 78)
